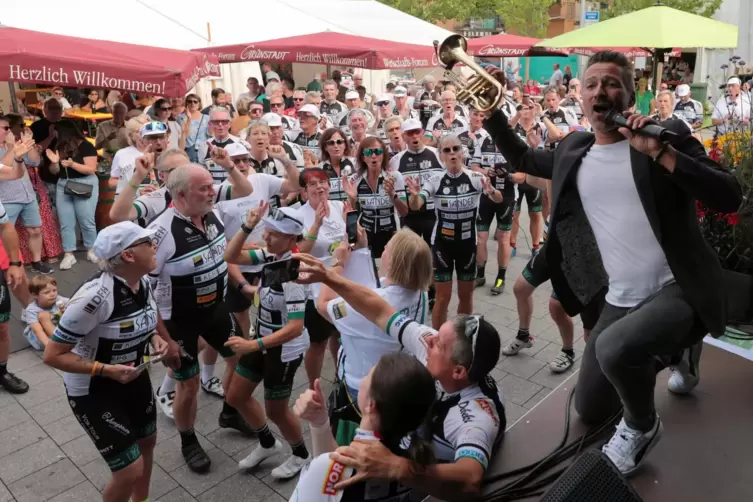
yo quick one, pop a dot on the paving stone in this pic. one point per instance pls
(31, 459)
(167, 453)
(165, 427)
(81, 450)
(222, 468)
(177, 495)
(547, 378)
(19, 437)
(42, 392)
(252, 489)
(82, 492)
(48, 482)
(498, 374)
(97, 472)
(231, 441)
(275, 497)
(517, 390)
(513, 412)
(207, 418)
(36, 374)
(65, 430)
(161, 483)
(51, 410)
(521, 365)
(23, 359)
(537, 398)
(12, 414)
(5, 495)
(283, 487)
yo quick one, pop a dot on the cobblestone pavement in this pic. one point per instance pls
(45, 454)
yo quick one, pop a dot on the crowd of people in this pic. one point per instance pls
(295, 222)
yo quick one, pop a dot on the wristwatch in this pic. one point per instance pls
(15, 264)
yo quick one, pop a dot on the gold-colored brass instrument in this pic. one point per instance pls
(482, 91)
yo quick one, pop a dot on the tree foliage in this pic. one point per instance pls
(528, 18)
(705, 8)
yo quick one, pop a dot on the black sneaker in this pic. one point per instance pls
(479, 281)
(41, 268)
(196, 458)
(235, 421)
(13, 384)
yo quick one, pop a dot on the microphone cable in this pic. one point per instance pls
(530, 485)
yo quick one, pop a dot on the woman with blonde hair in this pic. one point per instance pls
(243, 119)
(261, 161)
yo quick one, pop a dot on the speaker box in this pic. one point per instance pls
(592, 478)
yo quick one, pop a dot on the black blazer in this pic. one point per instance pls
(577, 272)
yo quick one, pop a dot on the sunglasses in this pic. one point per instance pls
(242, 160)
(275, 105)
(453, 149)
(371, 152)
(219, 122)
(298, 99)
(383, 103)
(332, 142)
(154, 137)
(164, 109)
(191, 102)
(140, 242)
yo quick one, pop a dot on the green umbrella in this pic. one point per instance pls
(655, 27)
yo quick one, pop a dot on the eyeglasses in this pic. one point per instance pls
(219, 122)
(191, 102)
(371, 152)
(298, 99)
(275, 105)
(242, 160)
(140, 242)
(471, 329)
(333, 142)
(453, 149)
(383, 103)
(154, 137)
(163, 109)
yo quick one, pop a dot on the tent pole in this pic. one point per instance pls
(658, 67)
(528, 69)
(209, 39)
(13, 101)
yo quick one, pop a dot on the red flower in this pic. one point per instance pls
(731, 218)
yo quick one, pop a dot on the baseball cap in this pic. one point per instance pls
(734, 81)
(236, 149)
(153, 129)
(411, 125)
(352, 95)
(683, 90)
(309, 108)
(383, 97)
(272, 119)
(272, 75)
(285, 220)
(485, 346)
(113, 240)
(400, 91)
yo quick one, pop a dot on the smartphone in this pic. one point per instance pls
(149, 361)
(351, 226)
(279, 272)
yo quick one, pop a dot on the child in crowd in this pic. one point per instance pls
(43, 314)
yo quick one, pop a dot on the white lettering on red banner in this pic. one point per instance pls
(405, 62)
(490, 50)
(251, 53)
(95, 79)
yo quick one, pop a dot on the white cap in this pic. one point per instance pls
(113, 240)
(272, 75)
(153, 129)
(352, 95)
(236, 149)
(734, 81)
(683, 90)
(411, 125)
(285, 220)
(400, 91)
(272, 119)
(383, 97)
(309, 108)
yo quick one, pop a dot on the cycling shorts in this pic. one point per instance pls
(534, 198)
(319, 328)
(536, 271)
(237, 301)
(488, 209)
(116, 416)
(4, 299)
(459, 257)
(421, 222)
(277, 375)
(215, 328)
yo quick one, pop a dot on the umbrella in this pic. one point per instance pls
(329, 47)
(504, 45)
(655, 27)
(43, 58)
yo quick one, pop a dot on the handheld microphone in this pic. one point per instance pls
(651, 130)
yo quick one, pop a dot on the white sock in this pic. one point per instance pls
(207, 372)
(168, 385)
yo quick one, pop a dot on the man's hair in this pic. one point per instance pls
(313, 95)
(171, 152)
(180, 179)
(58, 88)
(394, 118)
(218, 109)
(289, 82)
(666, 92)
(243, 105)
(117, 104)
(551, 89)
(272, 87)
(329, 82)
(39, 282)
(462, 352)
(216, 92)
(255, 80)
(626, 70)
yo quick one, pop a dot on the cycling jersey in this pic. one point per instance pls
(332, 110)
(319, 477)
(573, 105)
(347, 168)
(379, 129)
(342, 120)
(310, 143)
(460, 110)
(523, 134)
(108, 323)
(269, 165)
(219, 174)
(289, 123)
(691, 110)
(466, 424)
(423, 164)
(392, 152)
(563, 118)
(294, 152)
(377, 208)
(150, 205)
(191, 273)
(437, 123)
(456, 198)
(412, 113)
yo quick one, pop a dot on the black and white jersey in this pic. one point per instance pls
(107, 322)
(573, 105)
(392, 152)
(289, 123)
(347, 168)
(523, 135)
(437, 123)
(507, 108)
(269, 165)
(691, 111)
(379, 129)
(563, 118)
(422, 165)
(295, 153)
(191, 274)
(674, 116)
(460, 110)
(412, 113)
(456, 198)
(487, 156)
(332, 110)
(375, 205)
(423, 95)
(219, 174)
(306, 142)
(469, 423)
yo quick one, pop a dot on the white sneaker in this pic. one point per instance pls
(516, 346)
(561, 363)
(686, 374)
(165, 403)
(259, 455)
(628, 448)
(213, 386)
(91, 256)
(290, 467)
(67, 262)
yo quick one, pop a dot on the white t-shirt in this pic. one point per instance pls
(175, 133)
(123, 165)
(556, 77)
(633, 259)
(233, 212)
(739, 108)
(331, 233)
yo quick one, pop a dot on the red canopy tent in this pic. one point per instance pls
(43, 58)
(504, 45)
(330, 48)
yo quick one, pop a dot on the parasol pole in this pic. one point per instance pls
(209, 39)
(658, 68)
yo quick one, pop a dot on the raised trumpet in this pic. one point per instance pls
(482, 91)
